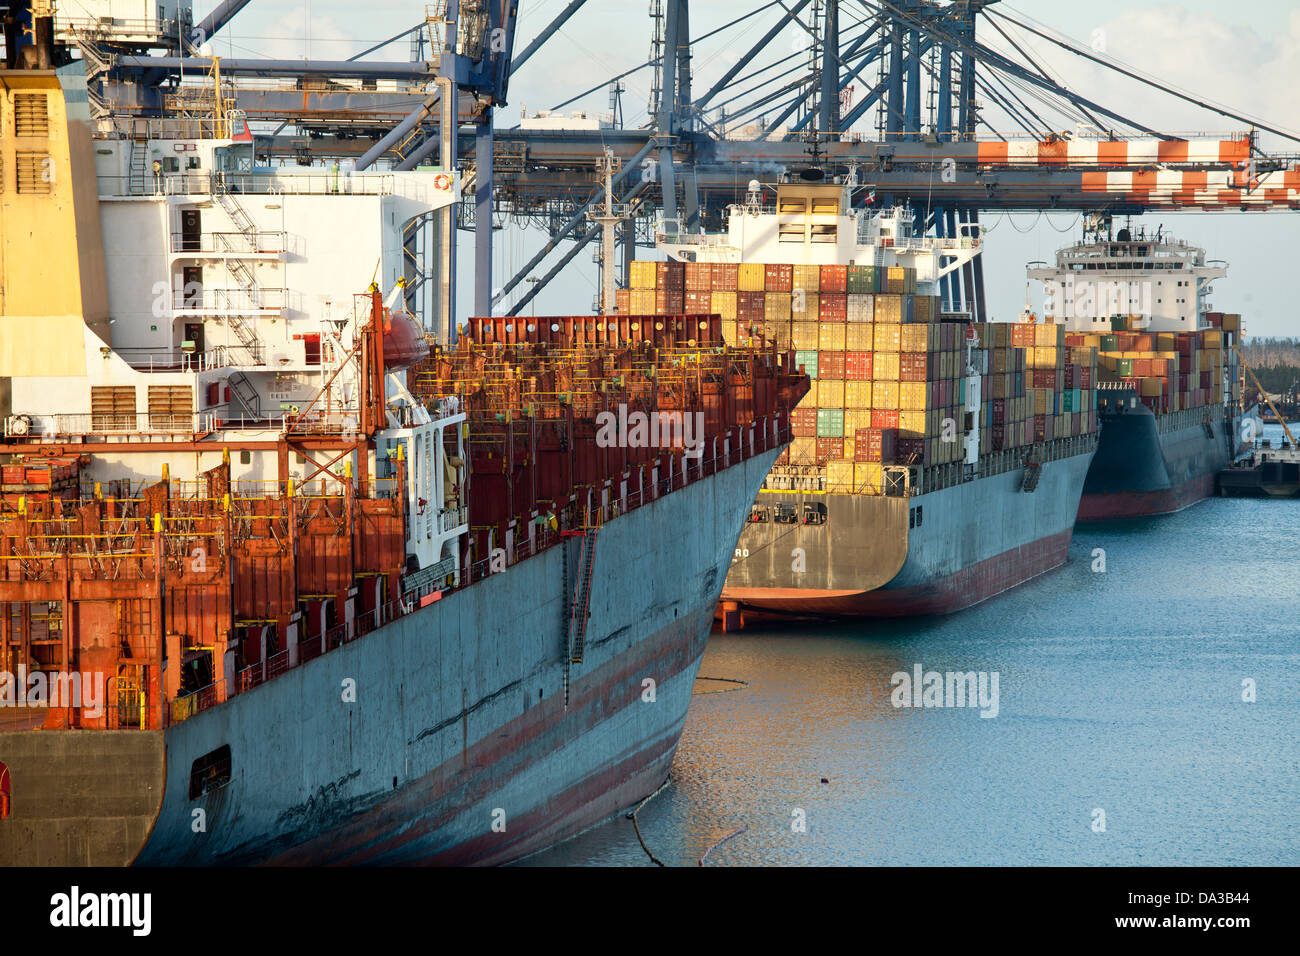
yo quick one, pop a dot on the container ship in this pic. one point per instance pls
(1170, 375)
(280, 582)
(936, 462)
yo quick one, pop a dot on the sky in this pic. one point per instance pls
(1243, 56)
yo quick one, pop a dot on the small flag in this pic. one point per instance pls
(871, 197)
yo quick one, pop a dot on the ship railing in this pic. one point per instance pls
(130, 423)
(407, 185)
(235, 243)
(260, 299)
(369, 620)
(185, 707)
(185, 360)
(450, 518)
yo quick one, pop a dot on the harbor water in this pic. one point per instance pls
(1147, 708)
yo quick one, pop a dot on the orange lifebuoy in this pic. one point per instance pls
(442, 181)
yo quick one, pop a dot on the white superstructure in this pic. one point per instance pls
(819, 225)
(237, 307)
(1156, 282)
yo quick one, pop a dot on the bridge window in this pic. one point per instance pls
(210, 772)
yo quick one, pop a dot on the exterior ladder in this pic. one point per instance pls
(138, 170)
(243, 390)
(244, 277)
(580, 608)
(1033, 471)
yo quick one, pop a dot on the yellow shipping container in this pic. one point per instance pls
(858, 337)
(888, 337)
(914, 337)
(1213, 338)
(803, 306)
(855, 418)
(1042, 400)
(889, 308)
(884, 395)
(911, 424)
(1049, 336)
(1151, 387)
(830, 337)
(885, 365)
(776, 306)
(751, 277)
(803, 335)
(724, 303)
(850, 446)
(830, 393)
(643, 275)
(868, 477)
(857, 395)
(642, 300)
(807, 278)
(912, 396)
(839, 476)
(1048, 356)
(803, 449)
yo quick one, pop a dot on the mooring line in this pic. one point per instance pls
(636, 826)
(719, 843)
(724, 690)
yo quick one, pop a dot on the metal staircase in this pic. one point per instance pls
(138, 171)
(97, 62)
(244, 276)
(580, 607)
(245, 394)
(1033, 471)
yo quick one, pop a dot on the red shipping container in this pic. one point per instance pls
(1142, 343)
(697, 303)
(670, 275)
(830, 365)
(910, 451)
(829, 449)
(749, 306)
(999, 412)
(1044, 378)
(912, 367)
(778, 277)
(883, 418)
(1207, 379)
(832, 308)
(857, 366)
(875, 444)
(699, 276)
(834, 279)
(725, 276)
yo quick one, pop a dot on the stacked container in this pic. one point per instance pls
(1171, 371)
(889, 374)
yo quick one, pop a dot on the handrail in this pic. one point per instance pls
(759, 432)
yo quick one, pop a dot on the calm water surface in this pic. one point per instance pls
(1118, 691)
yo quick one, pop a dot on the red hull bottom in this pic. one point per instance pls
(965, 588)
(1139, 504)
